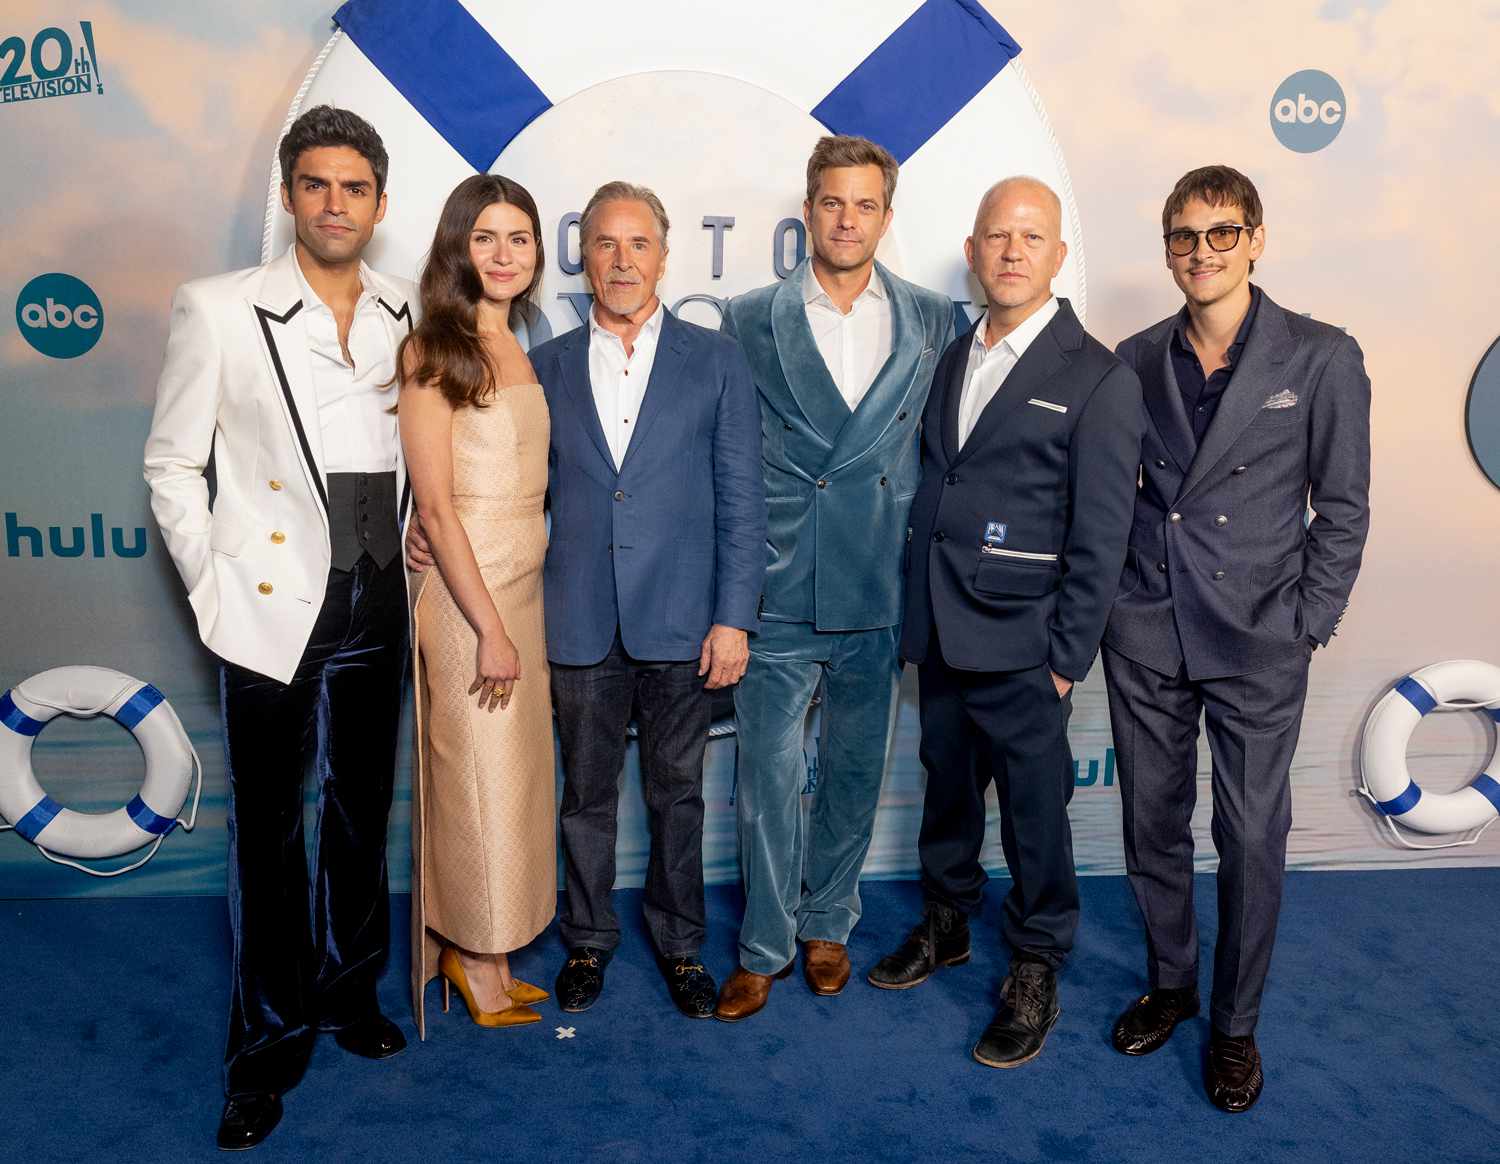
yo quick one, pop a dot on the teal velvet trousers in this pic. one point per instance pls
(802, 877)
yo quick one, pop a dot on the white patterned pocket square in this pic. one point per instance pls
(1286, 398)
(1048, 404)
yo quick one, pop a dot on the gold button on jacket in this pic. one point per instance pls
(264, 588)
(274, 484)
(277, 537)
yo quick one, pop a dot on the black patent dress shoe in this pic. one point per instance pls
(941, 938)
(372, 1038)
(581, 978)
(691, 986)
(1150, 1020)
(247, 1120)
(1028, 1009)
(1232, 1075)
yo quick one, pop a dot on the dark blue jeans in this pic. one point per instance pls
(594, 705)
(307, 952)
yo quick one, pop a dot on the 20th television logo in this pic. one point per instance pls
(48, 66)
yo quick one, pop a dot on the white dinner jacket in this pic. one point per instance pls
(238, 384)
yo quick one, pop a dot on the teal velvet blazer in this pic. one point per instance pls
(839, 484)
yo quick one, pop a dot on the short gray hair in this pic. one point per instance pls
(624, 192)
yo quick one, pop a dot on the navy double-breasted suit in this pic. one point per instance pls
(1243, 550)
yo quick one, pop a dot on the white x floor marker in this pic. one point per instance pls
(566, 1032)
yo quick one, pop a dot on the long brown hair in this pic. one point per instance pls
(448, 351)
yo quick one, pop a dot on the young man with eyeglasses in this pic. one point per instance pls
(1255, 416)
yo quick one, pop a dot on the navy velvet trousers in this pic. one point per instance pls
(307, 951)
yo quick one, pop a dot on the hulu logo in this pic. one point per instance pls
(72, 542)
(1087, 778)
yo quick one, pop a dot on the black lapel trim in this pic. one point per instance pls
(398, 316)
(267, 317)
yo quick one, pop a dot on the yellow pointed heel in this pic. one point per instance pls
(452, 971)
(525, 994)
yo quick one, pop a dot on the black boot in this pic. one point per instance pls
(941, 938)
(1028, 1008)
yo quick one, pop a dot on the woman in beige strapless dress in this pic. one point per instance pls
(474, 427)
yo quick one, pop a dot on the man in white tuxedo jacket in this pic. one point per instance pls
(283, 374)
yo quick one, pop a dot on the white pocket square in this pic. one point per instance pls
(1286, 398)
(1048, 404)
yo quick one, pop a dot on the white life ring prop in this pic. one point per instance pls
(1457, 684)
(139, 707)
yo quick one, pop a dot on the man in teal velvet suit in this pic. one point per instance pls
(843, 353)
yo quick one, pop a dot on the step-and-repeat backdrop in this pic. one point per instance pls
(138, 143)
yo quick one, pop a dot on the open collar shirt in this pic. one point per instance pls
(988, 366)
(354, 398)
(619, 381)
(854, 346)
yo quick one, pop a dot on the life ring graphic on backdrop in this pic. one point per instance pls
(716, 115)
(1459, 684)
(171, 764)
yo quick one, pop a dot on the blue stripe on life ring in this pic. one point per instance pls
(38, 818)
(17, 720)
(1416, 695)
(140, 812)
(422, 49)
(919, 77)
(1405, 802)
(138, 707)
(1488, 787)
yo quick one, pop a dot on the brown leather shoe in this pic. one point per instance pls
(745, 993)
(825, 965)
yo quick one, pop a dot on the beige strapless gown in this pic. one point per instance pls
(484, 811)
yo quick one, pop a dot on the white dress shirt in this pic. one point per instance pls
(855, 346)
(354, 400)
(619, 381)
(989, 366)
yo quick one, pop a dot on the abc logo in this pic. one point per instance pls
(1307, 111)
(59, 315)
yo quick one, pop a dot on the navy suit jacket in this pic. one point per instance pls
(1018, 535)
(673, 539)
(1226, 573)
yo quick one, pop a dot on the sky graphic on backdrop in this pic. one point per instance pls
(1385, 232)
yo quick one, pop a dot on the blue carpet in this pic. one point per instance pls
(1380, 1037)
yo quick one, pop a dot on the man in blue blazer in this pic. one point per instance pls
(1255, 415)
(1030, 449)
(842, 353)
(652, 578)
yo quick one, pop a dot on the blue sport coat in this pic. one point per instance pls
(672, 540)
(839, 484)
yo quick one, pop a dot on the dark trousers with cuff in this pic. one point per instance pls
(1008, 728)
(1253, 722)
(308, 950)
(594, 705)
